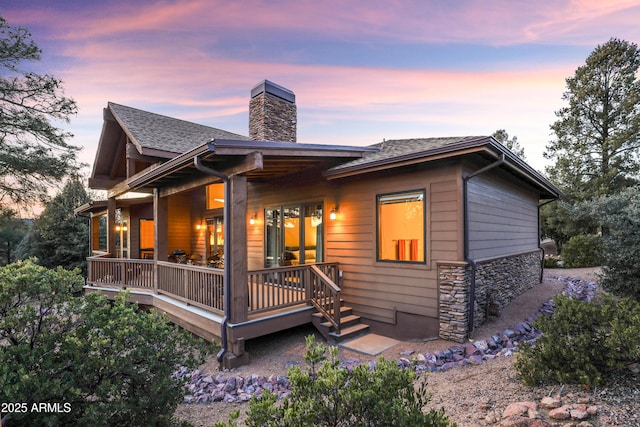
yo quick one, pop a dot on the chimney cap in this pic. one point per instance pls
(269, 87)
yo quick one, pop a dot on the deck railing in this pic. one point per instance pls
(325, 296)
(268, 289)
(276, 288)
(121, 272)
(194, 285)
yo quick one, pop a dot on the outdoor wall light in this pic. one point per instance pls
(252, 220)
(199, 226)
(333, 214)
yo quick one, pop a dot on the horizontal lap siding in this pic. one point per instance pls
(503, 216)
(179, 231)
(279, 193)
(377, 290)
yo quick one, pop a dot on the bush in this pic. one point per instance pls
(620, 218)
(550, 262)
(582, 341)
(111, 364)
(582, 251)
(328, 395)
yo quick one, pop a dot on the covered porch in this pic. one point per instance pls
(193, 297)
(244, 264)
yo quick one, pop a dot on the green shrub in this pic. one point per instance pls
(110, 363)
(620, 219)
(582, 341)
(550, 262)
(328, 395)
(582, 251)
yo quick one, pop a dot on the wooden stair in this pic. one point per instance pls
(350, 326)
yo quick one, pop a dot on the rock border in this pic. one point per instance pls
(201, 387)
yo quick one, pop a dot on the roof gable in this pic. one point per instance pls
(150, 131)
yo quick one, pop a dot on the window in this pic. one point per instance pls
(294, 235)
(215, 242)
(99, 229)
(401, 227)
(215, 196)
(147, 242)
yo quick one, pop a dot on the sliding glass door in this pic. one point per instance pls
(294, 234)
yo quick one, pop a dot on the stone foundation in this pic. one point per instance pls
(498, 282)
(453, 280)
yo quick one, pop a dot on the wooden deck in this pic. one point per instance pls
(193, 296)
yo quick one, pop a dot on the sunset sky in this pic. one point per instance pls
(362, 71)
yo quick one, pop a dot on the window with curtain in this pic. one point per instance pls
(401, 227)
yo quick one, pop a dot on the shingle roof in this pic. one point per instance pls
(395, 150)
(154, 131)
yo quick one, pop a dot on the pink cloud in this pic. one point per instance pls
(495, 23)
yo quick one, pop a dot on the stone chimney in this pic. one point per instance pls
(272, 113)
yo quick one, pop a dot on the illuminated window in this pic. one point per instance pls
(99, 237)
(146, 238)
(215, 196)
(401, 227)
(294, 235)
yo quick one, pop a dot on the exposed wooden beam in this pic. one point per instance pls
(118, 153)
(249, 163)
(102, 182)
(190, 185)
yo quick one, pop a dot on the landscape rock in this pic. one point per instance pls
(561, 413)
(578, 414)
(518, 408)
(550, 403)
(204, 388)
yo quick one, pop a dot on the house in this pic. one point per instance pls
(236, 237)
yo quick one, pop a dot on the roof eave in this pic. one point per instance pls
(524, 169)
(232, 147)
(452, 150)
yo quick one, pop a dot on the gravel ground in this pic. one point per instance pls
(469, 394)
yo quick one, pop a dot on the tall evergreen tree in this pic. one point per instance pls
(597, 135)
(12, 231)
(58, 237)
(33, 151)
(512, 144)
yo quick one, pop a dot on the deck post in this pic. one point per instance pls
(161, 247)
(238, 277)
(111, 226)
(161, 215)
(238, 229)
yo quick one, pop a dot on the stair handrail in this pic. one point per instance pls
(325, 296)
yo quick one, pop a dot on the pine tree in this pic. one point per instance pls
(34, 153)
(597, 134)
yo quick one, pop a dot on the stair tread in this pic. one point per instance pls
(346, 319)
(343, 309)
(351, 330)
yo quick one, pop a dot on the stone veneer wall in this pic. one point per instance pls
(498, 281)
(454, 279)
(272, 119)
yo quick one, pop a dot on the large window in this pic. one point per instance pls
(401, 227)
(293, 235)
